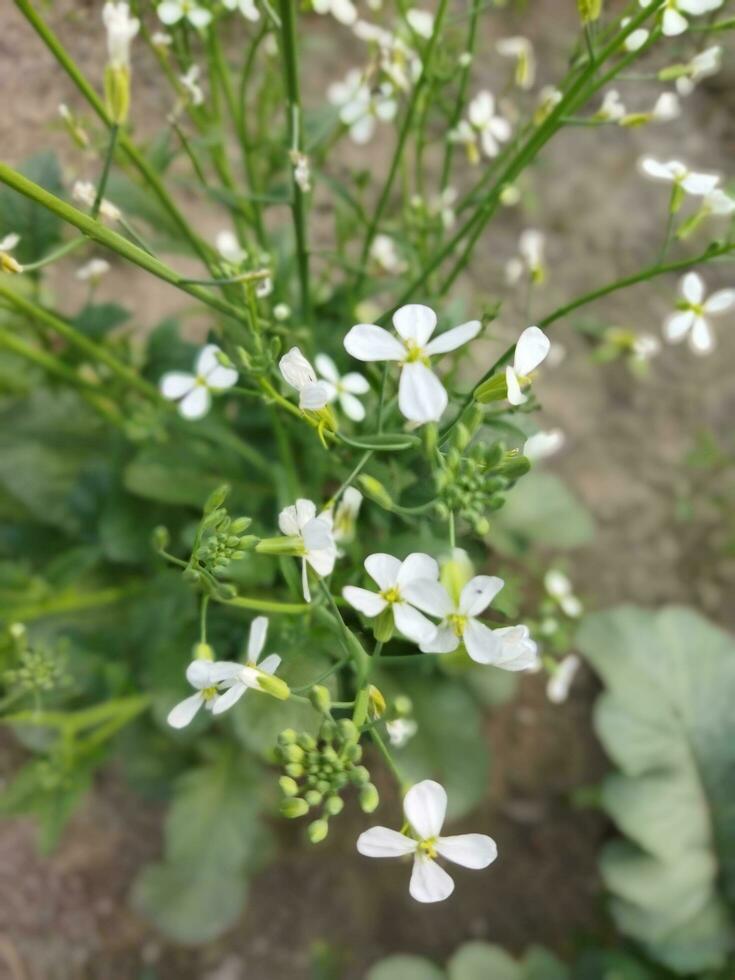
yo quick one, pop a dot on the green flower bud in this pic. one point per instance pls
(291, 546)
(117, 93)
(403, 705)
(320, 698)
(360, 775)
(294, 807)
(375, 490)
(348, 730)
(307, 742)
(274, 686)
(287, 736)
(369, 798)
(328, 730)
(216, 499)
(323, 785)
(334, 805)
(589, 10)
(376, 702)
(289, 786)
(292, 753)
(160, 538)
(383, 626)
(353, 752)
(317, 831)
(294, 769)
(202, 651)
(313, 797)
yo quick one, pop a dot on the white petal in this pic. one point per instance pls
(196, 404)
(256, 637)
(184, 711)
(429, 596)
(317, 534)
(305, 511)
(479, 592)
(692, 287)
(445, 640)
(381, 842)
(415, 322)
(221, 377)
(352, 407)
(421, 395)
(169, 12)
(429, 882)
(470, 850)
(322, 560)
(224, 701)
(288, 523)
(425, 807)
(720, 301)
(500, 128)
(326, 367)
(656, 169)
(454, 338)
(368, 603)
(383, 569)
(225, 671)
(367, 342)
(313, 396)
(361, 132)
(199, 17)
(305, 581)
(415, 566)
(673, 23)
(678, 325)
(413, 624)
(270, 664)
(355, 384)
(207, 359)
(482, 644)
(198, 673)
(531, 349)
(700, 183)
(489, 143)
(517, 650)
(176, 384)
(515, 395)
(701, 339)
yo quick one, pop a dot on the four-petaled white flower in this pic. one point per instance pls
(319, 549)
(395, 579)
(237, 678)
(121, 29)
(425, 807)
(482, 123)
(559, 588)
(342, 10)
(359, 107)
(702, 65)
(343, 388)
(246, 7)
(93, 270)
(298, 372)
(542, 445)
(521, 49)
(191, 86)
(560, 682)
(675, 172)
(193, 392)
(532, 347)
(199, 675)
(421, 395)
(170, 12)
(673, 21)
(229, 247)
(693, 312)
(84, 192)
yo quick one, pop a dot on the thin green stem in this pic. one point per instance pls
(57, 254)
(363, 461)
(265, 605)
(203, 619)
(388, 759)
(109, 156)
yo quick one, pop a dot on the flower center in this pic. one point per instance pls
(391, 595)
(458, 623)
(428, 847)
(209, 692)
(414, 353)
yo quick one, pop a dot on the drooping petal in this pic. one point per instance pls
(482, 644)
(678, 325)
(421, 395)
(176, 384)
(367, 342)
(382, 842)
(532, 347)
(425, 807)
(429, 881)
(196, 404)
(355, 384)
(256, 637)
(383, 569)
(445, 640)
(454, 338)
(231, 696)
(270, 664)
(515, 395)
(326, 367)
(413, 624)
(701, 339)
(692, 288)
(368, 603)
(478, 593)
(288, 523)
(352, 407)
(517, 650)
(428, 595)
(180, 715)
(469, 850)
(415, 566)
(415, 322)
(720, 302)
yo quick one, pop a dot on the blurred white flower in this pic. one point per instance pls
(673, 21)
(637, 38)
(246, 7)
(531, 349)
(7, 262)
(199, 675)
(421, 22)
(675, 172)
(425, 807)
(298, 372)
(548, 98)
(559, 588)
(560, 682)
(170, 12)
(530, 258)
(190, 84)
(646, 346)
(483, 125)
(360, 108)
(345, 516)
(161, 40)
(342, 10)
(229, 247)
(281, 311)
(401, 731)
(193, 392)
(93, 270)
(667, 107)
(121, 29)
(694, 310)
(611, 108)
(718, 202)
(84, 192)
(319, 549)
(343, 388)
(542, 445)
(384, 252)
(702, 65)
(521, 49)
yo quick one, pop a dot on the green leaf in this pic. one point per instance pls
(382, 441)
(667, 722)
(404, 967)
(540, 510)
(98, 319)
(38, 228)
(479, 961)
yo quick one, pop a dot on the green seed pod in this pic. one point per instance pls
(289, 786)
(317, 831)
(294, 807)
(369, 798)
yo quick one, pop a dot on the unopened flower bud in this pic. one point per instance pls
(160, 538)
(333, 805)
(348, 730)
(320, 698)
(313, 797)
(360, 776)
(294, 807)
(202, 651)
(274, 686)
(376, 702)
(294, 769)
(289, 786)
(292, 753)
(369, 798)
(317, 831)
(375, 490)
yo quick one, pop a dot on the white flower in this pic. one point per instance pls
(637, 38)
(400, 731)
(548, 98)
(84, 192)
(421, 22)
(172, 11)
(359, 107)
(237, 678)
(199, 675)
(93, 270)
(193, 391)
(345, 517)
(646, 346)
(482, 123)
(121, 29)
(281, 311)
(384, 252)
(718, 202)
(421, 396)
(559, 588)
(521, 49)
(394, 578)
(675, 172)
(264, 287)
(342, 10)
(425, 807)
(229, 247)
(399, 63)
(530, 258)
(560, 682)
(161, 40)
(673, 21)
(343, 388)
(301, 170)
(506, 648)
(667, 107)
(443, 205)
(612, 108)
(7, 262)
(319, 550)
(299, 373)
(8, 243)
(246, 7)
(542, 445)
(532, 347)
(190, 83)
(694, 310)
(702, 65)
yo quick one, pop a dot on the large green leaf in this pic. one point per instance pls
(482, 961)
(405, 967)
(540, 510)
(667, 721)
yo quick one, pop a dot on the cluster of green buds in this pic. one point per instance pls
(317, 770)
(220, 538)
(474, 480)
(39, 669)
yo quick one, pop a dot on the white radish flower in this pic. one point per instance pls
(237, 678)
(401, 731)
(560, 682)
(193, 392)
(121, 29)
(383, 251)
(530, 258)
(343, 388)
(484, 125)
(301, 170)
(702, 65)
(542, 445)
(342, 10)
(612, 108)
(521, 49)
(359, 107)
(548, 99)
(637, 38)
(559, 588)
(718, 202)
(7, 262)
(421, 22)
(673, 21)
(443, 205)
(395, 578)
(645, 347)
(345, 516)
(264, 287)
(675, 172)
(84, 192)
(318, 548)
(161, 40)
(667, 107)
(170, 12)
(531, 349)
(190, 84)
(421, 395)
(298, 372)
(93, 270)
(425, 807)
(246, 7)
(694, 310)
(199, 675)
(230, 248)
